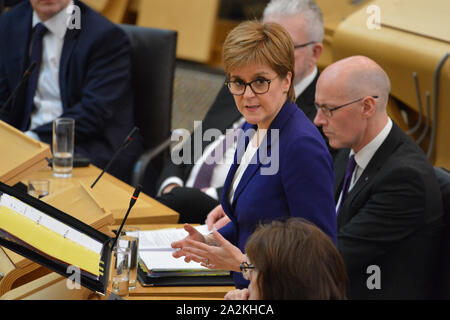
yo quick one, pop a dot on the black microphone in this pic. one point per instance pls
(25, 77)
(134, 197)
(125, 143)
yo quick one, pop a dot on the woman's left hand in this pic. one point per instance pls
(224, 257)
(237, 294)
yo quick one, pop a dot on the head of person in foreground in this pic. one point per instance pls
(292, 259)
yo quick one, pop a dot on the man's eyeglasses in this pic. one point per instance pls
(297, 46)
(245, 270)
(328, 112)
(258, 86)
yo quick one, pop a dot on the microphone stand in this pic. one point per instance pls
(125, 143)
(135, 196)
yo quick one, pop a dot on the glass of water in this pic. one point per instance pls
(129, 238)
(120, 271)
(63, 147)
(38, 188)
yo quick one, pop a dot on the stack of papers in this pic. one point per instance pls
(155, 253)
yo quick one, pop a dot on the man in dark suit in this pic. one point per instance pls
(177, 185)
(389, 208)
(83, 73)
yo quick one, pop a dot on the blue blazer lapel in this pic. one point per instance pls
(260, 157)
(252, 168)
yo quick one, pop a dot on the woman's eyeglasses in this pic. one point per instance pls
(258, 86)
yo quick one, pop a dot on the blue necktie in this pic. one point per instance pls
(36, 55)
(348, 177)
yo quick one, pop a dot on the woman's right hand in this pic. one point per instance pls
(237, 294)
(181, 244)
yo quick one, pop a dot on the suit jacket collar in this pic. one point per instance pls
(306, 99)
(70, 40)
(22, 32)
(257, 161)
(391, 143)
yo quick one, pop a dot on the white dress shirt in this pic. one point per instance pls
(47, 99)
(220, 170)
(363, 156)
(304, 83)
(245, 161)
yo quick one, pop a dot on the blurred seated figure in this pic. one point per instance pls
(291, 260)
(82, 72)
(8, 4)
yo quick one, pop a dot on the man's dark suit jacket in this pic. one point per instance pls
(222, 114)
(391, 218)
(94, 79)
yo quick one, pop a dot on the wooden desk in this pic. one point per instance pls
(52, 286)
(111, 193)
(114, 194)
(176, 293)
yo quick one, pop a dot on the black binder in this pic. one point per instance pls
(147, 280)
(93, 282)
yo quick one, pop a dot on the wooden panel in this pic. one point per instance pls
(427, 18)
(115, 195)
(80, 202)
(194, 20)
(217, 292)
(48, 287)
(115, 10)
(334, 12)
(97, 5)
(6, 265)
(24, 154)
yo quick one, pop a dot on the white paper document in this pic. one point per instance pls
(155, 249)
(162, 239)
(157, 261)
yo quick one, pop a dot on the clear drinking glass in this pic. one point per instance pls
(120, 270)
(38, 188)
(63, 147)
(129, 238)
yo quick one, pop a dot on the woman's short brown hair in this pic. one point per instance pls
(253, 42)
(296, 260)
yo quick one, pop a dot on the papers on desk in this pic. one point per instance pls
(155, 253)
(31, 227)
(161, 240)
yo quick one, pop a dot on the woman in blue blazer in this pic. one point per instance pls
(282, 167)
